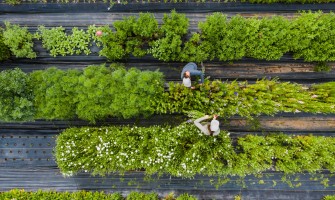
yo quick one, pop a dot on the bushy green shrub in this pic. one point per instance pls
(169, 46)
(19, 41)
(55, 93)
(267, 39)
(311, 36)
(121, 93)
(131, 35)
(213, 31)
(59, 43)
(16, 96)
(95, 93)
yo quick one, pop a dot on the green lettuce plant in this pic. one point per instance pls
(131, 36)
(19, 40)
(60, 43)
(169, 46)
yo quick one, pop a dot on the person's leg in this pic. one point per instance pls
(198, 73)
(191, 66)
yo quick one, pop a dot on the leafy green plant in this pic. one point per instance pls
(95, 93)
(305, 36)
(140, 195)
(268, 39)
(59, 43)
(175, 23)
(19, 41)
(13, 2)
(16, 96)
(169, 46)
(119, 93)
(329, 197)
(54, 93)
(310, 36)
(131, 35)
(4, 50)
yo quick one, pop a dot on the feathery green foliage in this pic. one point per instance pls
(16, 96)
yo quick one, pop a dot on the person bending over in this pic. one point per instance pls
(212, 128)
(190, 70)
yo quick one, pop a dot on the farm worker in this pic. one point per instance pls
(190, 70)
(212, 128)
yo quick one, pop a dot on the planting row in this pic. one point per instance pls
(99, 92)
(83, 195)
(16, 2)
(308, 36)
(184, 151)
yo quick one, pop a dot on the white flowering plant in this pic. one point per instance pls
(180, 151)
(183, 151)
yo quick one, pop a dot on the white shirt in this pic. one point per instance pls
(187, 82)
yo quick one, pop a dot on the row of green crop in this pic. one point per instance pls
(83, 195)
(98, 92)
(184, 151)
(308, 36)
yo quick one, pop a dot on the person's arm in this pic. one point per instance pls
(201, 127)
